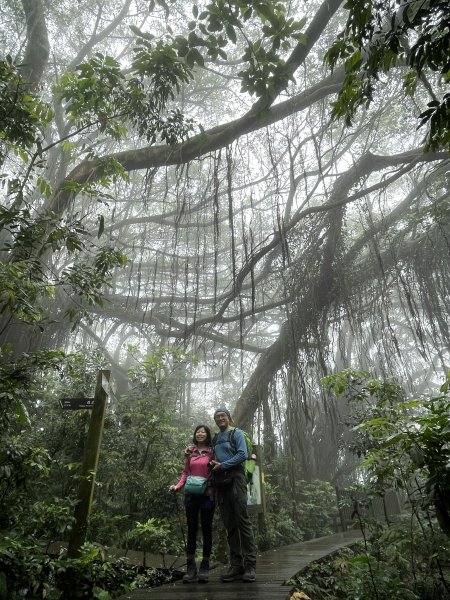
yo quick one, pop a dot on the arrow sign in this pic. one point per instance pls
(76, 403)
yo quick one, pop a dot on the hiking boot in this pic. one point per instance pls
(233, 573)
(191, 574)
(249, 575)
(203, 572)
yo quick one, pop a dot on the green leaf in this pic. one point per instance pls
(44, 187)
(266, 11)
(352, 63)
(22, 413)
(414, 7)
(231, 33)
(194, 57)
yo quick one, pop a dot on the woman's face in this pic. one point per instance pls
(201, 435)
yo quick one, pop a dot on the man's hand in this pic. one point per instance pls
(188, 450)
(216, 466)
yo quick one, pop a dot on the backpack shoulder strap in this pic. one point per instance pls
(232, 437)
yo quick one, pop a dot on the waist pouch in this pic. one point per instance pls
(195, 485)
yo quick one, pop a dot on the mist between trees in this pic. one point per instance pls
(223, 204)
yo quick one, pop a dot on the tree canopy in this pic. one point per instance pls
(380, 36)
(179, 175)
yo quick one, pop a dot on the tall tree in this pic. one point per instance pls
(260, 233)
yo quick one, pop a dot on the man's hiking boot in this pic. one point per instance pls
(233, 573)
(191, 574)
(249, 575)
(203, 572)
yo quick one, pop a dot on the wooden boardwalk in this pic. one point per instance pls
(274, 567)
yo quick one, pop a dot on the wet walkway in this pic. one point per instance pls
(273, 569)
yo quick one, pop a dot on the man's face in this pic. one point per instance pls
(222, 420)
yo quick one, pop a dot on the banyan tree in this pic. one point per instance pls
(262, 235)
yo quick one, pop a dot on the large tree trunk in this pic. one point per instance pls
(37, 49)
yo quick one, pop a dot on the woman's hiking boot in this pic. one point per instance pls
(203, 572)
(191, 573)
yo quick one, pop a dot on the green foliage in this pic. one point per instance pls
(141, 450)
(380, 36)
(155, 536)
(52, 518)
(157, 368)
(106, 528)
(114, 100)
(296, 509)
(25, 457)
(402, 441)
(22, 114)
(30, 232)
(21, 294)
(25, 567)
(323, 579)
(396, 562)
(222, 23)
(279, 529)
(40, 452)
(89, 280)
(99, 94)
(20, 463)
(30, 573)
(25, 290)
(316, 506)
(141, 456)
(404, 444)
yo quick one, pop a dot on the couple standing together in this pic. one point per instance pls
(227, 453)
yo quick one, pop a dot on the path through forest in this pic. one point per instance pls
(273, 569)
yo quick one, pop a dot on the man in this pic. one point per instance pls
(230, 453)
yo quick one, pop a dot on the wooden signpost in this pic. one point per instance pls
(90, 458)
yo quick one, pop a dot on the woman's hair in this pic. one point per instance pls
(208, 440)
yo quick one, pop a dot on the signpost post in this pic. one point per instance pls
(90, 458)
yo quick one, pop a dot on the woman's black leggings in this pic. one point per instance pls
(205, 506)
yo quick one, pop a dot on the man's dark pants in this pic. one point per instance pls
(233, 509)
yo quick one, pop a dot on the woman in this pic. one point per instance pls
(197, 461)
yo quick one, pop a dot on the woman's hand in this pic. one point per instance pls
(216, 466)
(173, 488)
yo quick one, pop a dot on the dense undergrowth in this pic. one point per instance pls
(403, 444)
(26, 571)
(400, 561)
